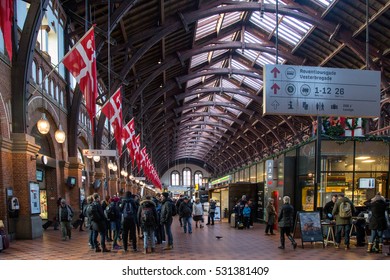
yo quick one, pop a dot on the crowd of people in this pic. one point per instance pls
(128, 218)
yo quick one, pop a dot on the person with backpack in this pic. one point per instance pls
(185, 211)
(98, 223)
(129, 221)
(177, 206)
(166, 218)
(147, 219)
(87, 221)
(113, 215)
(342, 212)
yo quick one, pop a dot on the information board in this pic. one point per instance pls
(309, 225)
(305, 90)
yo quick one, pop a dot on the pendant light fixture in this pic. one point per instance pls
(43, 124)
(59, 135)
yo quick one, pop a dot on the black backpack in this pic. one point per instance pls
(174, 209)
(128, 212)
(93, 212)
(147, 217)
(110, 212)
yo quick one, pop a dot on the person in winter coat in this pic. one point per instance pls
(246, 213)
(197, 210)
(147, 219)
(328, 208)
(166, 218)
(377, 222)
(88, 222)
(185, 211)
(115, 220)
(65, 214)
(129, 221)
(286, 222)
(98, 223)
(343, 223)
(212, 207)
(270, 217)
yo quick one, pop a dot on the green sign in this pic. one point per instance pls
(222, 180)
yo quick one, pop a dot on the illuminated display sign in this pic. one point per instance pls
(222, 180)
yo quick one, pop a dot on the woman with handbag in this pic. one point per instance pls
(270, 217)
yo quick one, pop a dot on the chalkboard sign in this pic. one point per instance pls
(309, 224)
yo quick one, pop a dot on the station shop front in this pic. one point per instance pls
(356, 167)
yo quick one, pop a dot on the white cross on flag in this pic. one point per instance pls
(81, 63)
(113, 111)
(137, 152)
(129, 136)
(142, 158)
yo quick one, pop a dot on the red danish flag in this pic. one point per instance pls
(81, 63)
(113, 111)
(129, 136)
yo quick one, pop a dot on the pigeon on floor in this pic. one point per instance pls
(218, 237)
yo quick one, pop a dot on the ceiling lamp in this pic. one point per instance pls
(110, 165)
(114, 167)
(96, 158)
(43, 125)
(60, 135)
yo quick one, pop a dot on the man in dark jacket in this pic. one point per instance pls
(166, 218)
(178, 203)
(328, 208)
(185, 212)
(378, 221)
(343, 219)
(98, 223)
(147, 219)
(128, 209)
(286, 222)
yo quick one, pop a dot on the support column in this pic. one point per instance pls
(24, 150)
(113, 185)
(6, 181)
(99, 175)
(89, 190)
(72, 194)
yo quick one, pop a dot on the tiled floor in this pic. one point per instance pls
(201, 244)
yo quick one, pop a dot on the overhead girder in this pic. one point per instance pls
(221, 71)
(208, 114)
(21, 64)
(249, 112)
(181, 57)
(189, 18)
(179, 97)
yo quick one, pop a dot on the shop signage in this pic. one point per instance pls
(103, 153)
(269, 172)
(222, 180)
(308, 91)
(139, 178)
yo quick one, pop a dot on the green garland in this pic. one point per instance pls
(354, 121)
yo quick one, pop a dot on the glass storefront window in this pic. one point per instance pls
(236, 177)
(246, 174)
(307, 159)
(372, 156)
(260, 172)
(253, 173)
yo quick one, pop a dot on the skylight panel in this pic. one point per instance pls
(219, 98)
(323, 3)
(256, 84)
(249, 54)
(218, 53)
(231, 18)
(192, 82)
(238, 65)
(206, 26)
(228, 84)
(233, 111)
(250, 38)
(241, 98)
(198, 59)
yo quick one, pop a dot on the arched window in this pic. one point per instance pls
(186, 177)
(61, 97)
(34, 71)
(198, 178)
(40, 76)
(46, 84)
(52, 88)
(175, 178)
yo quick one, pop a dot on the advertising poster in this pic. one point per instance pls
(34, 198)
